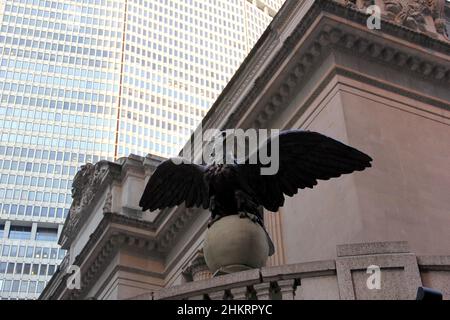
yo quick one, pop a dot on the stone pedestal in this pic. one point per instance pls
(235, 244)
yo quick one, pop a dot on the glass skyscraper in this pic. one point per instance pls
(100, 79)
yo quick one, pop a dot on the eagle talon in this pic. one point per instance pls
(243, 215)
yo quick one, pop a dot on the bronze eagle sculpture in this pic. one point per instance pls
(240, 188)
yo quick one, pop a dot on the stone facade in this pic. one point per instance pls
(317, 67)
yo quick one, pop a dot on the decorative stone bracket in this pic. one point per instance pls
(85, 187)
(197, 269)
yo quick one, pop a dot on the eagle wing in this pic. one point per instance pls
(304, 158)
(176, 181)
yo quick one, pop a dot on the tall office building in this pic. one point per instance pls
(99, 79)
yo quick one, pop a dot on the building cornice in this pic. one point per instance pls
(103, 244)
(334, 34)
(353, 36)
(114, 232)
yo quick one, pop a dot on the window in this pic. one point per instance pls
(21, 251)
(34, 269)
(46, 234)
(51, 269)
(5, 251)
(30, 251)
(20, 232)
(13, 251)
(23, 286)
(2, 267)
(45, 253)
(32, 287)
(10, 268)
(40, 287)
(43, 270)
(7, 286)
(38, 252)
(19, 267)
(15, 286)
(2, 229)
(26, 268)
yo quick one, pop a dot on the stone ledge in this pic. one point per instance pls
(361, 249)
(435, 263)
(299, 270)
(239, 279)
(145, 296)
(247, 278)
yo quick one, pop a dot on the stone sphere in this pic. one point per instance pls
(235, 244)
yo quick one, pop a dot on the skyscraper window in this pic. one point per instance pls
(19, 233)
